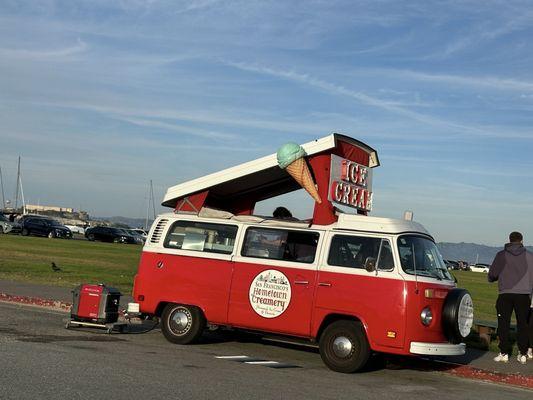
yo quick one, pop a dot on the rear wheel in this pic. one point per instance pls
(25, 232)
(344, 346)
(90, 237)
(182, 324)
(51, 235)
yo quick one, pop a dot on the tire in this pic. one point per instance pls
(1, 229)
(182, 324)
(90, 237)
(25, 232)
(51, 235)
(457, 315)
(348, 358)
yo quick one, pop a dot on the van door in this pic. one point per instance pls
(346, 287)
(273, 280)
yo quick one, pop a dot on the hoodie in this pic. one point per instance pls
(513, 269)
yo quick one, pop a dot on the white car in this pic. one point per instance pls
(480, 268)
(76, 229)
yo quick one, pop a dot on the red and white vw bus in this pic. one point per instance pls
(354, 284)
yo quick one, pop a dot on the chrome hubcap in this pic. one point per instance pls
(342, 346)
(180, 321)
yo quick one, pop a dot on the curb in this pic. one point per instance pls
(516, 379)
(36, 301)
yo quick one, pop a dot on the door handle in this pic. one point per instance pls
(301, 282)
(326, 284)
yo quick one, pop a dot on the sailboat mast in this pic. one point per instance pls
(2, 184)
(152, 196)
(17, 186)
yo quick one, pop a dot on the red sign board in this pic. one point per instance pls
(350, 184)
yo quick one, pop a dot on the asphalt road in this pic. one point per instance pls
(39, 359)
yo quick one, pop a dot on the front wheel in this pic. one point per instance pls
(90, 237)
(344, 347)
(182, 324)
(51, 235)
(25, 232)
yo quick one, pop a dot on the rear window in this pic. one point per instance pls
(201, 236)
(280, 244)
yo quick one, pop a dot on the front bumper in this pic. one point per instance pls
(438, 349)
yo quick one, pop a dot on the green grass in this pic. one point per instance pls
(28, 259)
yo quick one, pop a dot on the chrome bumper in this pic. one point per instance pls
(438, 349)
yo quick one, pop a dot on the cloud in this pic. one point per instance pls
(60, 54)
(339, 90)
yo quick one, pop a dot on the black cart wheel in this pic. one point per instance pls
(344, 346)
(457, 315)
(182, 324)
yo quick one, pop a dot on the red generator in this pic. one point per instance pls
(96, 304)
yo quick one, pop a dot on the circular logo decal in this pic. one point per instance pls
(270, 293)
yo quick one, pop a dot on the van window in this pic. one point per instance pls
(353, 251)
(201, 236)
(280, 244)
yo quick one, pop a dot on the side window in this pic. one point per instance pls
(356, 251)
(280, 244)
(201, 236)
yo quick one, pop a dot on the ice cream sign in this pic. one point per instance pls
(350, 184)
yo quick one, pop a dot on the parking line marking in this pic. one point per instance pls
(232, 357)
(261, 362)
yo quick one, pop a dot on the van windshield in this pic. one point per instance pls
(420, 256)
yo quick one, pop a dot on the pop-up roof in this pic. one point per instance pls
(238, 189)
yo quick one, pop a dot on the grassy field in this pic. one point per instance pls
(29, 259)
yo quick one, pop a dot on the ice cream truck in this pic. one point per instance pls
(349, 282)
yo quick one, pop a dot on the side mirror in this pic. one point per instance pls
(370, 264)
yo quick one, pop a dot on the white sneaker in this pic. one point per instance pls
(530, 353)
(501, 358)
(521, 358)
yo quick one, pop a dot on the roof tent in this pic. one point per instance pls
(238, 189)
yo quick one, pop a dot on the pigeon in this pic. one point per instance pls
(55, 268)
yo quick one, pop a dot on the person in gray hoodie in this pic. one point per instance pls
(513, 269)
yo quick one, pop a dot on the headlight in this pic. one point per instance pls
(426, 316)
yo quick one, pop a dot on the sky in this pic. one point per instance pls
(99, 97)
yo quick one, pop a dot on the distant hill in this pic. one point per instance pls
(470, 251)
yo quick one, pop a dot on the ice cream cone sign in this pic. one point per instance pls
(291, 157)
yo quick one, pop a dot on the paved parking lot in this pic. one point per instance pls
(41, 359)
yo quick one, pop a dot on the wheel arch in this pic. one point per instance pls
(333, 317)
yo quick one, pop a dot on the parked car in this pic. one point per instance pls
(109, 234)
(452, 265)
(41, 226)
(141, 232)
(7, 226)
(76, 229)
(140, 239)
(480, 268)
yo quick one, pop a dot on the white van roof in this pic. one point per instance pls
(349, 222)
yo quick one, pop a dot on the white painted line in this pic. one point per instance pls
(232, 357)
(261, 362)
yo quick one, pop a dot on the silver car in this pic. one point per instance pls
(7, 226)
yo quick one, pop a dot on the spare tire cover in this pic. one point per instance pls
(457, 315)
